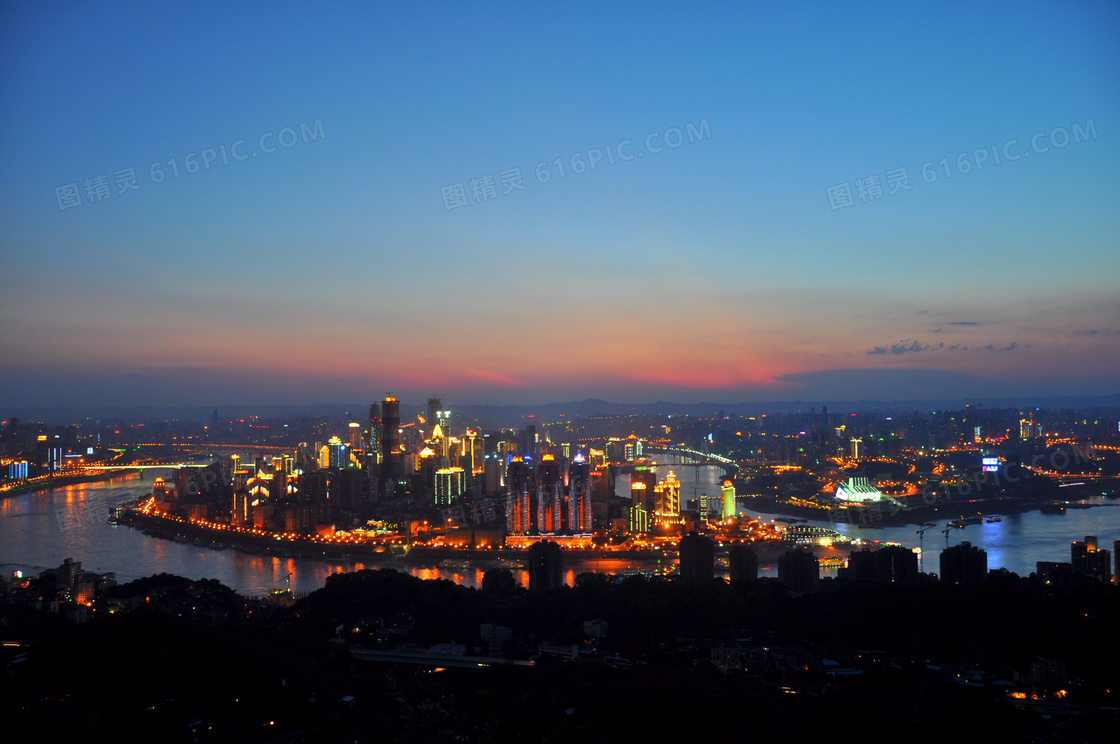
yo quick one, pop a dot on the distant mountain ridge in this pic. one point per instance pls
(509, 415)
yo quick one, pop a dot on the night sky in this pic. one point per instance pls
(801, 201)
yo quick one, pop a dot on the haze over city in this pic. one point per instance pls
(486, 372)
(789, 203)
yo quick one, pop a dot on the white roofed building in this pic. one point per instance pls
(858, 490)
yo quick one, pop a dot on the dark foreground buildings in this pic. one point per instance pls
(698, 560)
(799, 570)
(546, 565)
(964, 564)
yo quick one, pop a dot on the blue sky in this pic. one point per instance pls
(719, 269)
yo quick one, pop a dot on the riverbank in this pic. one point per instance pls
(203, 536)
(62, 481)
(246, 542)
(889, 516)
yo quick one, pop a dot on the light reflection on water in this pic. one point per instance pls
(39, 530)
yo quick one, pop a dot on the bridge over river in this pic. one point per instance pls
(691, 457)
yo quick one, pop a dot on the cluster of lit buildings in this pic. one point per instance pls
(438, 481)
(549, 499)
(655, 507)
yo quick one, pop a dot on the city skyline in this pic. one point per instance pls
(786, 204)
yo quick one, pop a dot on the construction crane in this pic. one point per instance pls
(947, 530)
(925, 527)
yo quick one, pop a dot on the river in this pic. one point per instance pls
(38, 530)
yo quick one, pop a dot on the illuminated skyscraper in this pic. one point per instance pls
(518, 516)
(390, 436)
(338, 456)
(443, 417)
(242, 511)
(639, 507)
(728, 494)
(667, 502)
(597, 458)
(374, 437)
(449, 485)
(645, 474)
(579, 498)
(355, 435)
(549, 496)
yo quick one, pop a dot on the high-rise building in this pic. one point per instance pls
(579, 498)
(1086, 558)
(549, 496)
(892, 564)
(242, 514)
(355, 435)
(742, 563)
(69, 571)
(545, 565)
(639, 517)
(391, 437)
(434, 407)
(639, 507)
(645, 474)
(337, 455)
(857, 448)
(697, 557)
(529, 442)
(351, 491)
(473, 455)
(449, 486)
(596, 458)
(493, 475)
(728, 494)
(1116, 557)
(964, 564)
(374, 436)
(667, 502)
(518, 513)
(799, 570)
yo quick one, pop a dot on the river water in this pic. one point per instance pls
(39, 530)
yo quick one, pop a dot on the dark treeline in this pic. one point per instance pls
(192, 661)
